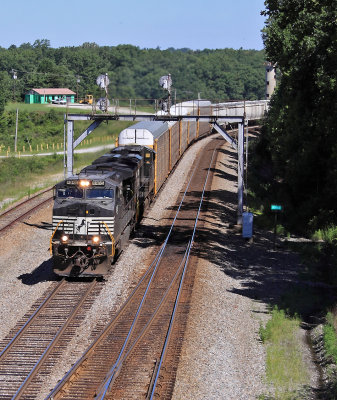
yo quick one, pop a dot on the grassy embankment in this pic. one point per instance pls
(306, 302)
(41, 129)
(40, 125)
(311, 295)
(285, 368)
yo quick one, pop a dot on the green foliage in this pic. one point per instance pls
(330, 338)
(11, 168)
(4, 89)
(328, 234)
(320, 258)
(284, 365)
(134, 72)
(297, 152)
(40, 124)
(19, 177)
(34, 127)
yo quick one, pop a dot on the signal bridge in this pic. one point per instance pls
(222, 114)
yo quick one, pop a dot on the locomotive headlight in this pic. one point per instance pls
(64, 238)
(95, 239)
(84, 183)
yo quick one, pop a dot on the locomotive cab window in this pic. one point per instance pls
(70, 192)
(100, 194)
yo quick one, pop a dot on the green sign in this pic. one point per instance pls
(276, 207)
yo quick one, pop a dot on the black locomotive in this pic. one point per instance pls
(95, 211)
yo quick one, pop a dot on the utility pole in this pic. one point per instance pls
(16, 131)
(78, 80)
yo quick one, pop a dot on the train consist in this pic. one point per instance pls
(95, 211)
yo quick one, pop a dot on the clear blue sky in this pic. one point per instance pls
(195, 24)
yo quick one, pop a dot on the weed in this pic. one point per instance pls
(284, 364)
(330, 338)
(328, 234)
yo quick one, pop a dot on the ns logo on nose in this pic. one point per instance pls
(78, 228)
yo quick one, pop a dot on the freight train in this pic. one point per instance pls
(96, 210)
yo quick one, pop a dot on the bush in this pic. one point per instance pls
(330, 338)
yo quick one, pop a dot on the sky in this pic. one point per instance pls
(198, 24)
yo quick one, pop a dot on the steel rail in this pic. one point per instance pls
(32, 317)
(155, 263)
(53, 342)
(112, 323)
(107, 382)
(24, 214)
(169, 331)
(114, 371)
(24, 202)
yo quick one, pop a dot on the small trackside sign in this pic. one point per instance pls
(276, 207)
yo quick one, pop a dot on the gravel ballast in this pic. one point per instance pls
(222, 356)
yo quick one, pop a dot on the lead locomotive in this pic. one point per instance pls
(95, 211)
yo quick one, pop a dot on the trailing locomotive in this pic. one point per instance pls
(95, 211)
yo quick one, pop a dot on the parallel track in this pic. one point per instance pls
(23, 209)
(121, 361)
(33, 347)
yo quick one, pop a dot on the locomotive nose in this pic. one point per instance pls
(76, 209)
(81, 261)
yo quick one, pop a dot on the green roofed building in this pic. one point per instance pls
(47, 95)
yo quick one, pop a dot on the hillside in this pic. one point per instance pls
(133, 72)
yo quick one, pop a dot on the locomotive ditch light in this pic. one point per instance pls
(85, 183)
(64, 238)
(95, 239)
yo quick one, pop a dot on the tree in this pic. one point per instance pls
(134, 72)
(5, 93)
(299, 139)
(41, 44)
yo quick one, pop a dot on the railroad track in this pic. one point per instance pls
(32, 348)
(136, 355)
(23, 209)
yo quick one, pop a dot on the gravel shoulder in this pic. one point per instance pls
(223, 357)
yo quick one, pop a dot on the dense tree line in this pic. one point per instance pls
(133, 72)
(296, 157)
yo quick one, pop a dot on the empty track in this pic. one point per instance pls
(31, 349)
(23, 209)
